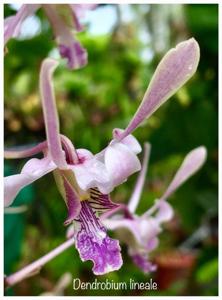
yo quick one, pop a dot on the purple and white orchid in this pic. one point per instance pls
(85, 180)
(140, 233)
(63, 18)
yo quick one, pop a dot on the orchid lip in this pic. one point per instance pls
(93, 243)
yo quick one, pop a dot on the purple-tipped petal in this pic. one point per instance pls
(120, 162)
(68, 46)
(136, 194)
(191, 164)
(12, 24)
(32, 170)
(176, 68)
(75, 54)
(50, 113)
(93, 244)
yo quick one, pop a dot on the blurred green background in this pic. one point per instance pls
(124, 43)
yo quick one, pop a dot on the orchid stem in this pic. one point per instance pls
(35, 266)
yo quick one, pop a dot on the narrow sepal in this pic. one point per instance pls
(173, 71)
(50, 113)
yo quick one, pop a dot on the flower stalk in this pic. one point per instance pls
(36, 266)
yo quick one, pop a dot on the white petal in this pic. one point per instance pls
(32, 170)
(12, 185)
(130, 141)
(120, 162)
(165, 211)
(92, 173)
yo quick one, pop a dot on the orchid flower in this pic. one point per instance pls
(140, 233)
(85, 180)
(62, 17)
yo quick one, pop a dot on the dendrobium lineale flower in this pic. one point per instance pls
(140, 233)
(62, 27)
(85, 180)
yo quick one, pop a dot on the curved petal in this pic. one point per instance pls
(84, 154)
(32, 170)
(12, 185)
(50, 113)
(130, 141)
(173, 71)
(92, 173)
(164, 211)
(12, 25)
(120, 162)
(191, 164)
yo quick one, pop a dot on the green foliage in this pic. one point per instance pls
(208, 272)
